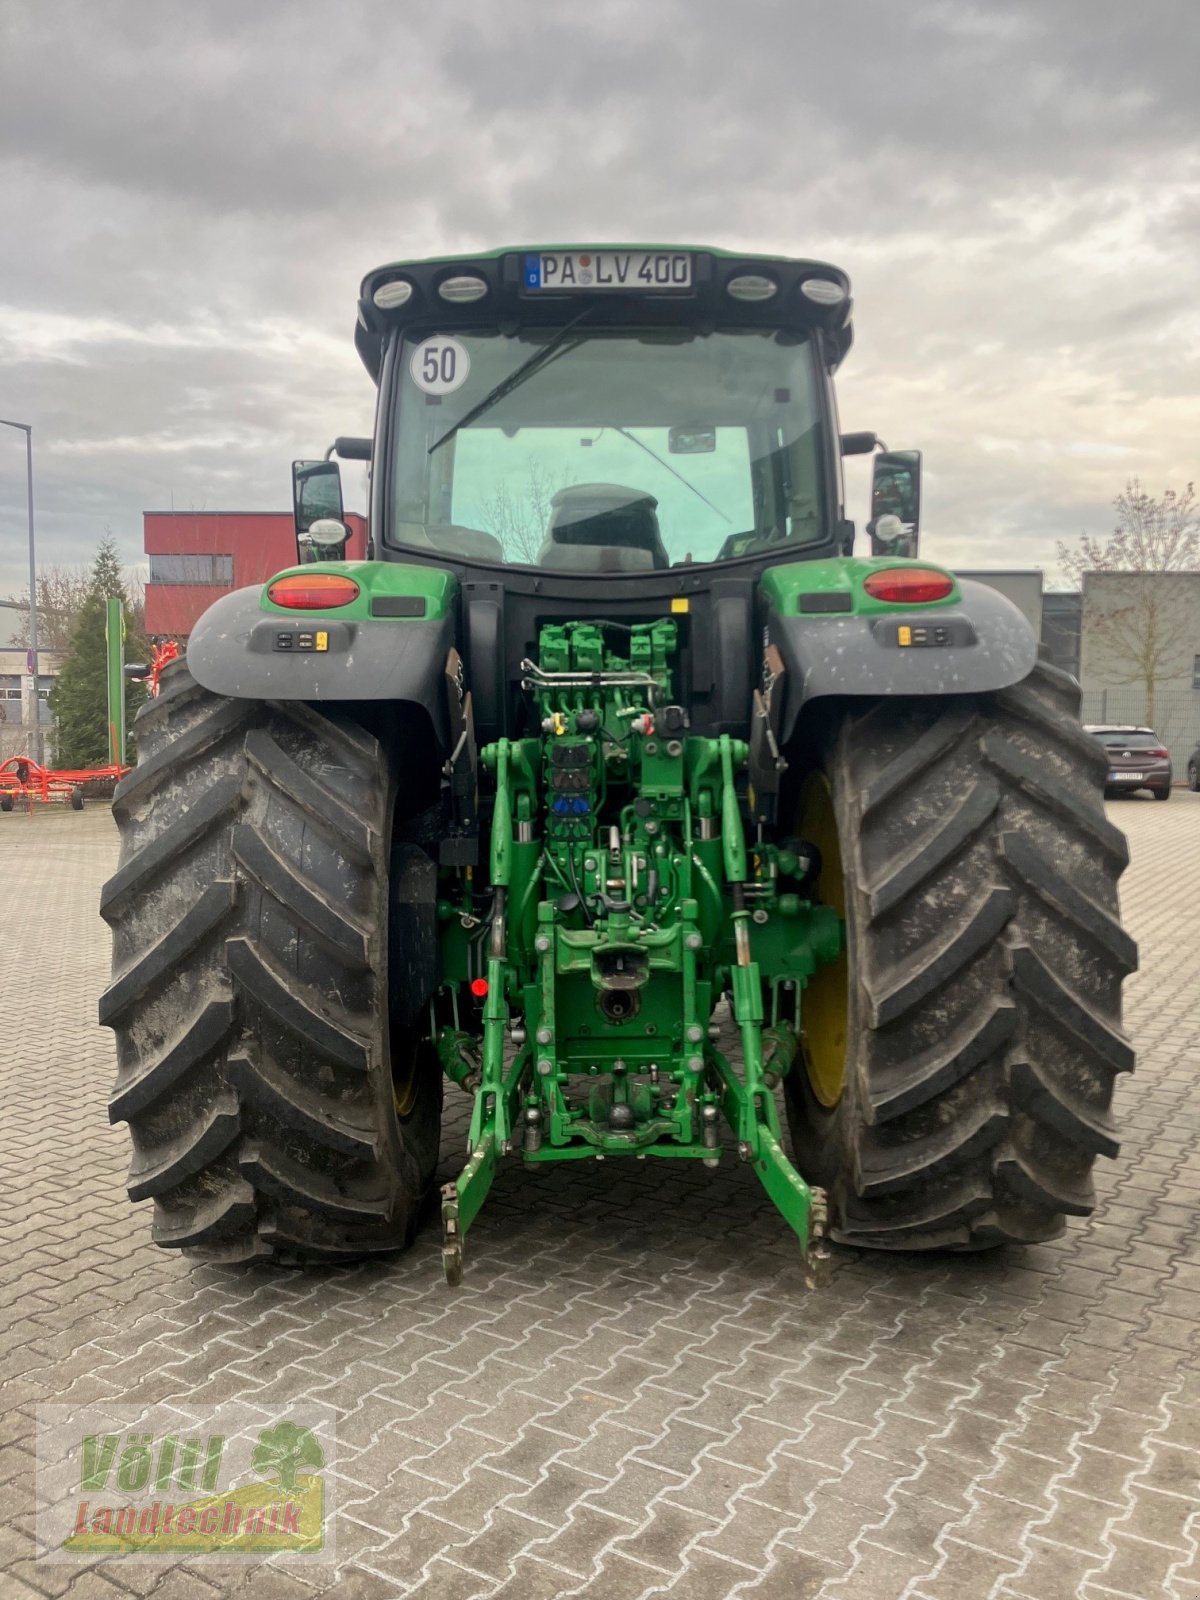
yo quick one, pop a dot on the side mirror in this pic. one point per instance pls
(895, 522)
(321, 531)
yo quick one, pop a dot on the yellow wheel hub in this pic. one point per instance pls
(825, 1004)
(404, 1079)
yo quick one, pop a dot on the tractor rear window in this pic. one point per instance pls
(607, 451)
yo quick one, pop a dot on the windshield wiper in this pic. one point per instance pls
(654, 455)
(528, 367)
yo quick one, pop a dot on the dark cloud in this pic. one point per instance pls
(191, 193)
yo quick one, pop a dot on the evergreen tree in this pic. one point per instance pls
(79, 698)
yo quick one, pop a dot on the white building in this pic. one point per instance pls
(16, 683)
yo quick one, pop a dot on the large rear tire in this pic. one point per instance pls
(280, 1107)
(981, 988)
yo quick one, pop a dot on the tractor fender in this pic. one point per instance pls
(981, 643)
(235, 650)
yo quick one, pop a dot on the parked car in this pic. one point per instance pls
(1194, 769)
(1137, 759)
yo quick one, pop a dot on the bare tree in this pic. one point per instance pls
(520, 521)
(135, 588)
(61, 594)
(1144, 634)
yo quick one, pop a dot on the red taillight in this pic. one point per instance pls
(479, 988)
(909, 586)
(1161, 755)
(320, 592)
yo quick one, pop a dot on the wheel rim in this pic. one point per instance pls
(825, 1004)
(404, 1075)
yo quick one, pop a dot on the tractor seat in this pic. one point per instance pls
(603, 527)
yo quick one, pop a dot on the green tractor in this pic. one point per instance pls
(615, 788)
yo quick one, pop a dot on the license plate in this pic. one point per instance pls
(1126, 777)
(564, 270)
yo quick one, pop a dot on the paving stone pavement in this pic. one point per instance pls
(631, 1395)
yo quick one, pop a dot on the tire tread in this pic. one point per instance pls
(988, 955)
(250, 992)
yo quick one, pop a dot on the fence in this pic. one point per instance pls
(1176, 717)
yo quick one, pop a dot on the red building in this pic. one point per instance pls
(197, 556)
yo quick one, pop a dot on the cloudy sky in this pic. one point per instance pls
(191, 192)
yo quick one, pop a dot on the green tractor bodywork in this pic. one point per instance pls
(633, 709)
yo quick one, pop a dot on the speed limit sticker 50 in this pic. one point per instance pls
(440, 365)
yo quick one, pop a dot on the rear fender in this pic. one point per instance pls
(977, 642)
(391, 644)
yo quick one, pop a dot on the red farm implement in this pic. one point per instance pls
(164, 653)
(22, 778)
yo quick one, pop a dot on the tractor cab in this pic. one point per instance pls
(608, 414)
